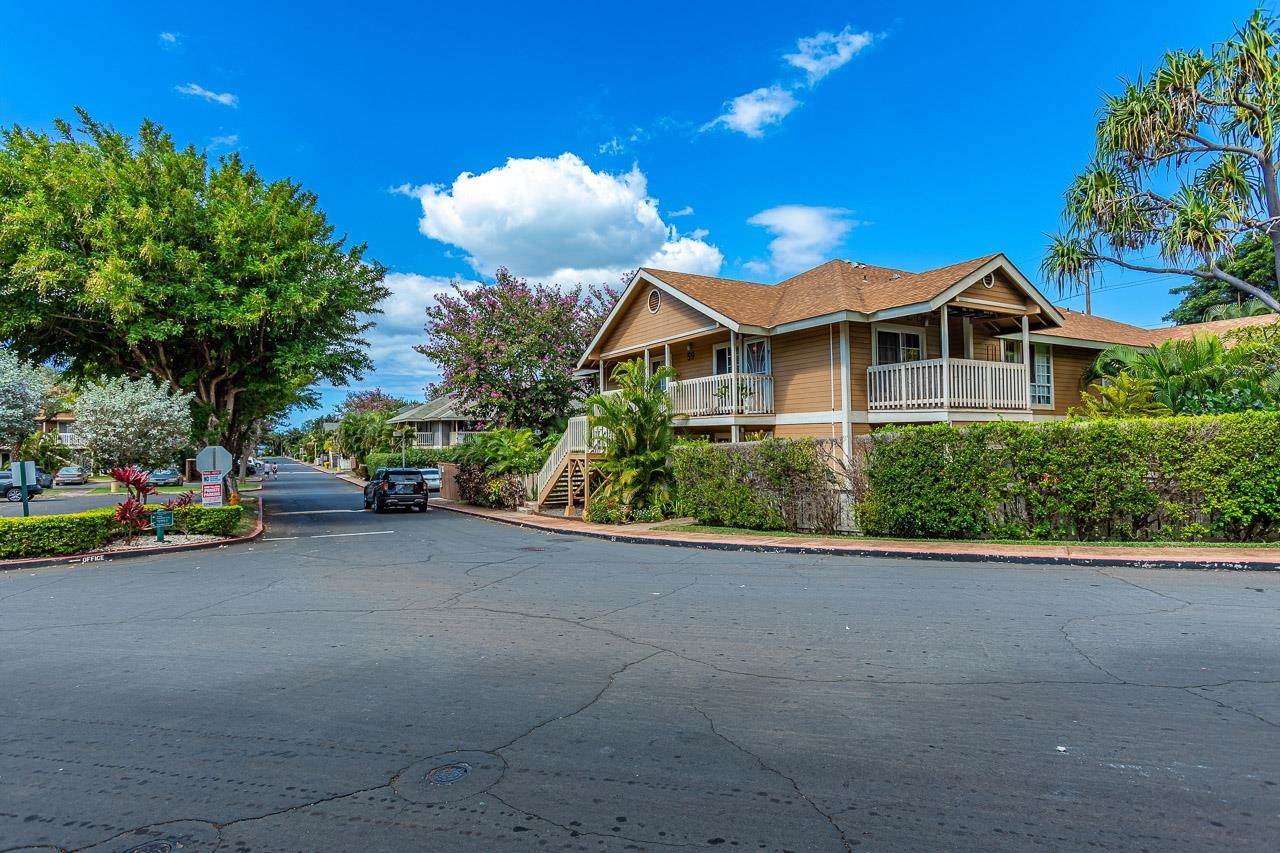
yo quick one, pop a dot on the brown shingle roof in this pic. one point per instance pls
(1217, 327)
(832, 287)
(1091, 327)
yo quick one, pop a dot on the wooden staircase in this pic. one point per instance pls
(567, 479)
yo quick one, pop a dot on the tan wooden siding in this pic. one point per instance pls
(986, 346)
(802, 370)
(824, 430)
(635, 326)
(1004, 290)
(859, 360)
(1069, 367)
(701, 364)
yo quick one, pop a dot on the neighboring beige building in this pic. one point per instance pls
(439, 422)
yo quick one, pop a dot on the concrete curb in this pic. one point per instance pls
(112, 556)
(934, 556)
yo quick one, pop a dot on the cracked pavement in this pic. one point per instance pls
(297, 695)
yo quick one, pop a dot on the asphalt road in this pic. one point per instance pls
(316, 690)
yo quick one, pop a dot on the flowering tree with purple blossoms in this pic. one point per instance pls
(508, 350)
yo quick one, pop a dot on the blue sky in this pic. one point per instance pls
(746, 139)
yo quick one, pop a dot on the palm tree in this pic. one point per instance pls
(636, 421)
(1252, 307)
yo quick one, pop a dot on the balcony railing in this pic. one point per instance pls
(716, 395)
(70, 439)
(972, 384)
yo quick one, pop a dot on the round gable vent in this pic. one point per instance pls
(655, 300)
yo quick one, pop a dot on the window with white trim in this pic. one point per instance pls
(1041, 375)
(894, 346)
(720, 361)
(1041, 369)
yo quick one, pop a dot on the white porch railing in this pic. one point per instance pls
(973, 385)
(714, 395)
(70, 439)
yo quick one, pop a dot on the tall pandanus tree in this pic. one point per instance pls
(1185, 166)
(636, 423)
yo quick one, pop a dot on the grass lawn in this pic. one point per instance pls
(851, 539)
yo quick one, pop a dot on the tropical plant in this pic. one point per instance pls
(1196, 376)
(1253, 259)
(1205, 123)
(1251, 307)
(133, 421)
(1124, 396)
(44, 449)
(507, 451)
(507, 350)
(363, 432)
(125, 256)
(636, 425)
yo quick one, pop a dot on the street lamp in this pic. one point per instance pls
(400, 435)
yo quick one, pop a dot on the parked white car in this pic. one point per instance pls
(432, 478)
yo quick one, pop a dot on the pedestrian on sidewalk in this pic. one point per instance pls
(275, 470)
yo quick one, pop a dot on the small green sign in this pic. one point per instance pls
(162, 518)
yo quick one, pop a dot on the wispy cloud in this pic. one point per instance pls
(684, 211)
(613, 146)
(753, 112)
(803, 236)
(817, 56)
(170, 40)
(228, 141)
(225, 98)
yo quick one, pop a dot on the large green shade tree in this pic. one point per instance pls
(122, 256)
(1185, 166)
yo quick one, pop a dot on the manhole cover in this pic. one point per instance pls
(449, 773)
(450, 777)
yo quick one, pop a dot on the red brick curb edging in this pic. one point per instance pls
(112, 556)
(730, 543)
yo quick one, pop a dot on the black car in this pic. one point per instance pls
(396, 487)
(12, 491)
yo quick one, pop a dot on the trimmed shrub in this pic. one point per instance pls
(479, 487)
(605, 510)
(1143, 479)
(414, 457)
(210, 521)
(55, 535)
(765, 485)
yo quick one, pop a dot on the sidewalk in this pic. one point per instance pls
(1075, 553)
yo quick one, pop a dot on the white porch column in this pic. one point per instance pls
(946, 359)
(646, 364)
(666, 354)
(1026, 357)
(602, 376)
(846, 393)
(968, 337)
(733, 384)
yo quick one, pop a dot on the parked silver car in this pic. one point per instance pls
(432, 478)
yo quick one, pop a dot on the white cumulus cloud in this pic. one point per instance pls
(170, 40)
(225, 98)
(555, 220)
(753, 112)
(804, 236)
(823, 53)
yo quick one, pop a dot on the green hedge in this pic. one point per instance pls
(55, 535)
(763, 485)
(1160, 479)
(416, 457)
(210, 521)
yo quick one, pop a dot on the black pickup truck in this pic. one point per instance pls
(396, 487)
